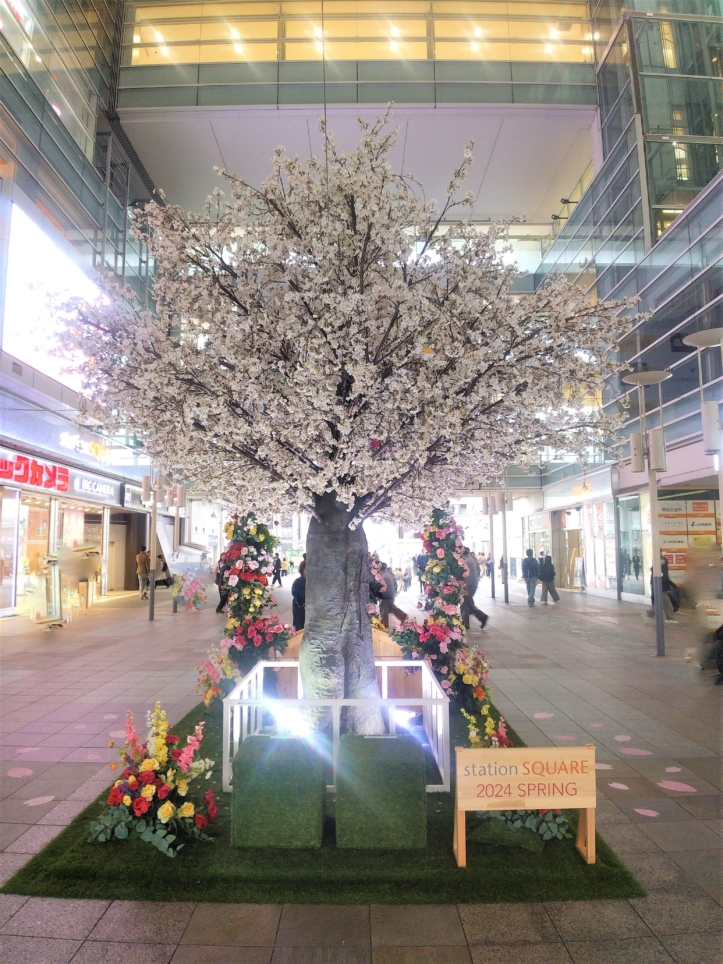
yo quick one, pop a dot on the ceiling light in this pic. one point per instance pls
(159, 37)
(394, 45)
(136, 38)
(478, 31)
(164, 51)
(554, 34)
(475, 47)
(56, 109)
(319, 47)
(235, 34)
(395, 31)
(548, 48)
(317, 31)
(596, 36)
(238, 48)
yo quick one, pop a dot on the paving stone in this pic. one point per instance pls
(519, 954)
(596, 920)
(660, 872)
(117, 952)
(233, 924)
(321, 955)
(56, 917)
(423, 925)
(10, 864)
(673, 835)
(695, 948)
(639, 950)
(511, 923)
(322, 925)
(679, 914)
(629, 839)
(214, 954)
(706, 807)
(11, 831)
(35, 838)
(10, 904)
(457, 954)
(63, 814)
(37, 950)
(706, 868)
(148, 923)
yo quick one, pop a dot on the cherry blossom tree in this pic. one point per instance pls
(333, 342)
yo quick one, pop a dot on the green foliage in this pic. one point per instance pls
(497, 833)
(549, 824)
(381, 794)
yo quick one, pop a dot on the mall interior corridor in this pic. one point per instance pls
(582, 671)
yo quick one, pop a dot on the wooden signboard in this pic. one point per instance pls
(526, 778)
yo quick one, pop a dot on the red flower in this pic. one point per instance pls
(172, 738)
(208, 797)
(115, 797)
(163, 791)
(176, 754)
(200, 821)
(148, 776)
(126, 773)
(140, 806)
(212, 812)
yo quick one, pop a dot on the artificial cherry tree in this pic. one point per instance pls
(332, 342)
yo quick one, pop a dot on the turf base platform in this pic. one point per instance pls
(217, 872)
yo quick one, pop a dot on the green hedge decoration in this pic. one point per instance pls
(381, 794)
(277, 798)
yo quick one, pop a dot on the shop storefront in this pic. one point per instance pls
(582, 532)
(54, 536)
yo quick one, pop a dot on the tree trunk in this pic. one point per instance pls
(337, 654)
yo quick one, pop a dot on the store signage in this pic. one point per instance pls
(26, 471)
(526, 778)
(595, 487)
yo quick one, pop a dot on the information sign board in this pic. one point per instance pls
(527, 778)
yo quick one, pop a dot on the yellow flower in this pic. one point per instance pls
(117, 783)
(261, 536)
(148, 791)
(252, 531)
(467, 679)
(232, 624)
(182, 787)
(149, 764)
(489, 726)
(127, 800)
(485, 710)
(187, 810)
(166, 811)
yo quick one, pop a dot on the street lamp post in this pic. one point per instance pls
(652, 445)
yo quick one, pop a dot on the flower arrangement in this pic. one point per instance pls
(191, 588)
(217, 675)
(249, 636)
(440, 640)
(149, 798)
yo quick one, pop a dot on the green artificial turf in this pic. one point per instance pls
(381, 796)
(132, 870)
(278, 794)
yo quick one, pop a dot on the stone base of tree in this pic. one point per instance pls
(380, 794)
(278, 794)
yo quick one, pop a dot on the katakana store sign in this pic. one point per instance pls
(54, 479)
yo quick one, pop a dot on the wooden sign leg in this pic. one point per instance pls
(460, 838)
(585, 842)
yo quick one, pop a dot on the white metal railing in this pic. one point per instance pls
(244, 707)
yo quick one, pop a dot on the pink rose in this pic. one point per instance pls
(443, 647)
(371, 608)
(444, 669)
(440, 553)
(445, 684)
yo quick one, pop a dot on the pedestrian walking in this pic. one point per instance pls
(143, 571)
(276, 581)
(471, 583)
(298, 599)
(407, 579)
(284, 567)
(420, 562)
(489, 565)
(388, 595)
(220, 579)
(547, 578)
(162, 567)
(637, 563)
(530, 573)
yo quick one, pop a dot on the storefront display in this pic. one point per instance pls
(54, 536)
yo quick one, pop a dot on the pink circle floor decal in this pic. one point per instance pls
(29, 749)
(623, 739)
(646, 813)
(117, 734)
(672, 769)
(18, 772)
(634, 751)
(543, 716)
(92, 756)
(596, 726)
(110, 716)
(674, 785)
(80, 726)
(603, 766)
(38, 801)
(619, 786)
(563, 738)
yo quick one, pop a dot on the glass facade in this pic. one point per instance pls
(356, 51)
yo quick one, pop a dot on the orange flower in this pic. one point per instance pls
(114, 766)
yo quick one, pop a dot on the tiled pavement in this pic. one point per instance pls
(582, 671)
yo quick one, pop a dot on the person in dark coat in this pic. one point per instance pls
(223, 589)
(471, 582)
(387, 596)
(277, 571)
(547, 578)
(298, 599)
